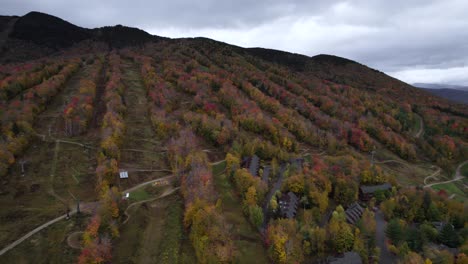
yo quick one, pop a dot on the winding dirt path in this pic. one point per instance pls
(217, 162)
(421, 127)
(458, 176)
(391, 161)
(434, 175)
(86, 207)
(73, 240)
(148, 182)
(34, 231)
(166, 193)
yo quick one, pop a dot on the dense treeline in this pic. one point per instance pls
(27, 77)
(331, 108)
(113, 125)
(20, 114)
(240, 105)
(103, 227)
(248, 107)
(332, 105)
(203, 217)
(79, 110)
(419, 218)
(163, 99)
(213, 111)
(252, 189)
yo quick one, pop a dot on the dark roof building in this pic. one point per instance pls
(348, 258)
(288, 205)
(354, 213)
(366, 192)
(373, 188)
(453, 251)
(440, 225)
(252, 164)
(297, 163)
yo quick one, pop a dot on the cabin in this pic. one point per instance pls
(354, 213)
(123, 174)
(297, 163)
(366, 192)
(288, 205)
(440, 225)
(351, 257)
(252, 164)
(440, 247)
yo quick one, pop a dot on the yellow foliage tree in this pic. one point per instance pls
(250, 196)
(232, 162)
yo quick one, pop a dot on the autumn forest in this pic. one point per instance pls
(197, 151)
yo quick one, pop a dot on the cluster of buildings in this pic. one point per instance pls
(288, 203)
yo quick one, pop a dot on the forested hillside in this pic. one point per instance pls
(232, 155)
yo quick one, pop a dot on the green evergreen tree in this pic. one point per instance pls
(433, 213)
(448, 236)
(256, 215)
(394, 231)
(427, 201)
(413, 238)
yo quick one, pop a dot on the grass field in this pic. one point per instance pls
(464, 170)
(147, 192)
(139, 195)
(246, 238)
(140, 149)
(27, 201)
(405, 173)
(416, 125)
(154, 234)
(453, 188)
(49, 245)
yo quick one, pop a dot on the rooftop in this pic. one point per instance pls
(373, 188)
(348, 258)
(354, 213)
(288, 205)
(252, 164)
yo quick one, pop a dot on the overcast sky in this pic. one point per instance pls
(413, 40)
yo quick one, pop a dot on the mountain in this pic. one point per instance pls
(454, 93)
(193, 150)
(47, 30)
(440, 86)
(37, 34)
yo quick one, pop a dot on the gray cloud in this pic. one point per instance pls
(417, 41)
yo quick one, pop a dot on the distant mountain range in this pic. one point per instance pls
(455, 93)
(440, 86)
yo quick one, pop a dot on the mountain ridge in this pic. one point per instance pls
(37, 34)
(440, 86)
(97, 114)
(454, 95)
(56, 33)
